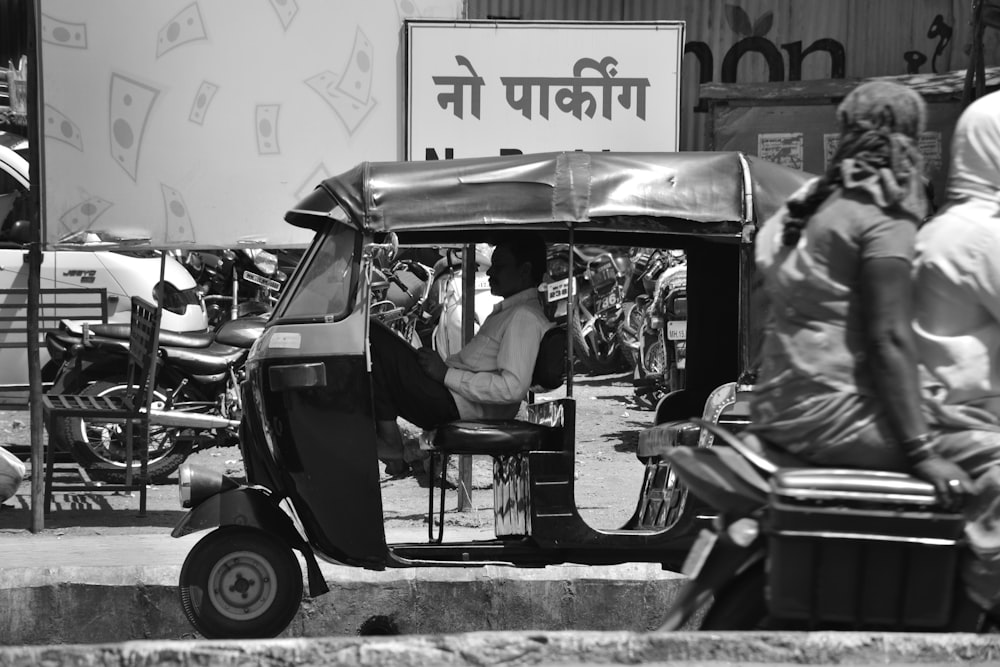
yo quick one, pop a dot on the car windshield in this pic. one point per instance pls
(323, 283)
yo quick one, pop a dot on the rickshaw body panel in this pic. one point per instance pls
(320, 439)
(245, 506)
(312, 440)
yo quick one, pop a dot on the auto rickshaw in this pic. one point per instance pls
(307, 434)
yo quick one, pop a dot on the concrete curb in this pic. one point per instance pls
(529, 648)
(72, 605)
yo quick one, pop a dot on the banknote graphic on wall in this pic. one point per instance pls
(349, 95)
(266, 116)
(356, 81)
(131, 102)
(319, 174)
(202, 99)
(58, 126)
(179, 227)
(286, 11)
(185, 27)
(81, 217)
(64, 33)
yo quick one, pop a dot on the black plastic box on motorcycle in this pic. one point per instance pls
(604, 196)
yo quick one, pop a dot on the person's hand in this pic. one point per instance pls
(432, 363)
(951, 483)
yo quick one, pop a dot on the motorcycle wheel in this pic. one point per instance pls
(740, 605)
(240, 582)
(100, 447)
(654, 359)
(628, 332)
(597, 357)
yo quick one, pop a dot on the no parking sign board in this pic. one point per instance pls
(480, 88)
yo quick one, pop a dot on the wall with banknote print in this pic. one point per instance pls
(201, 122)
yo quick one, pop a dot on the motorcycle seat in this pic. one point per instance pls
(819, 485)
(167, 338)
(498, 437)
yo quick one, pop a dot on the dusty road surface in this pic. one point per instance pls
(608, 476)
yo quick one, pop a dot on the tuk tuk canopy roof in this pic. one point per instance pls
(701, 193)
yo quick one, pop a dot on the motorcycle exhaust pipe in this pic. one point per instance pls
(190, 420)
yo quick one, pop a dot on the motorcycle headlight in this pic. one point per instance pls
(266, 262)
(558, 268)
(176, 300)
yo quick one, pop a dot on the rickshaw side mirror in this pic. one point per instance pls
(385, 253)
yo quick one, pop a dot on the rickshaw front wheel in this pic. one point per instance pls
(239, 582)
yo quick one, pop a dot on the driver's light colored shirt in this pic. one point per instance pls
(491, 375)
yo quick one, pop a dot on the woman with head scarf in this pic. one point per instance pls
(838, 383)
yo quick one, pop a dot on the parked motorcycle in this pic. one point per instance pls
(241, 282)
(647, 265)
(197, 401)
(601, 277)
(800, 548)
(398, 295)
(662, 337)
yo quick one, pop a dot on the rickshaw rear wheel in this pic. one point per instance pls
(239, 582)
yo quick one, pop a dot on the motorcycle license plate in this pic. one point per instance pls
(677, 330)
(557, 290)
(699, 553)
(251, 277)
(609, 300)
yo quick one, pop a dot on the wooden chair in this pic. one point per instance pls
(132, 409)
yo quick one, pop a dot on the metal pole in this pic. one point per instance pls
(468, 330)
(37, 434)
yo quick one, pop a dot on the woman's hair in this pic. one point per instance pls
(880, 122)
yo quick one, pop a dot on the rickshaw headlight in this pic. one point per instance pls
(196, 484)
(655, 322)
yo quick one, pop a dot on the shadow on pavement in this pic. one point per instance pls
(83, 510)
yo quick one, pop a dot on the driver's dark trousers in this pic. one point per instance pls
(400, 386)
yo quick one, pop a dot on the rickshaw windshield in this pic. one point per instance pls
(322, 286)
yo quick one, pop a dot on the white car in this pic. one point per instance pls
(122, 273)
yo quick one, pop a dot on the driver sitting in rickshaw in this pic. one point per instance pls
(487, 379)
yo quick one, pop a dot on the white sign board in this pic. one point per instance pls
(482, 88)
(201, 122)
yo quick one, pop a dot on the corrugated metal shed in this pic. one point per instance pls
(743, 41)
(795, 122)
